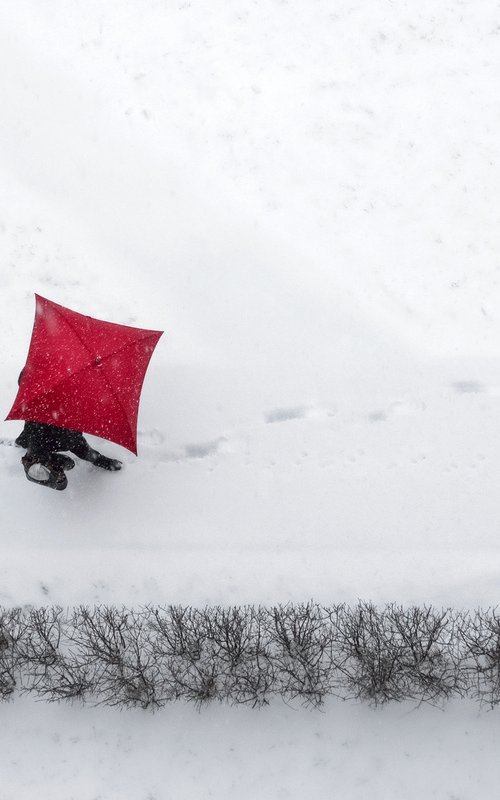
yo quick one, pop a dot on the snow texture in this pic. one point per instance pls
(304, 196)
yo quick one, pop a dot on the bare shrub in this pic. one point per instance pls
(10, 632)
(149, 656)
(396, 653)
(240, 644)
(50, 669)
(301, 651)
(480, 634)
(113, 645)
(179, 646)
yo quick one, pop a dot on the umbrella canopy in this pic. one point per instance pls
(84, 374)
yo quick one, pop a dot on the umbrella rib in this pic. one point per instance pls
(68, 323)
(77, 371)
(150, 336)
(114, 353)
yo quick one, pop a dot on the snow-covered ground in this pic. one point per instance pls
(304, 196)
(349, 752)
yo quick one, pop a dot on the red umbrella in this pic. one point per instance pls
(84, 374)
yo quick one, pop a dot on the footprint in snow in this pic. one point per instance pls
(400, 408)
(203, 449)
(468, 387)
(286, 414)
(377, 416)
(191, 451)
(151, 438)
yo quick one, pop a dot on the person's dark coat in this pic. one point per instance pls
(41, 440)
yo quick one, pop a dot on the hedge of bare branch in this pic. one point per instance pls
(149, 656)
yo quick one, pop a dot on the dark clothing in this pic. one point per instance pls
(42, 440)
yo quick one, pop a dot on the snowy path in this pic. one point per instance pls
(265, 510)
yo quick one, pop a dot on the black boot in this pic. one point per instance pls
(59, 461)
(42, 472)
(104, 462)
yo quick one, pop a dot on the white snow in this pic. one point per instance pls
(304, 196)
(349, 752)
